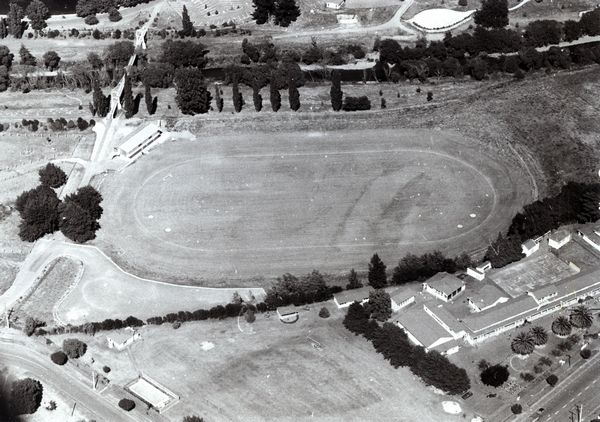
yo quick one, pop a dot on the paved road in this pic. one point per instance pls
(576, 387)
(65, 379)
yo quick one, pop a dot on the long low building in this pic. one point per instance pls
(346, 298)
(424, 331)
(141, 139)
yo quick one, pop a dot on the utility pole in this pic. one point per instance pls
(580, 413)
(93, 380)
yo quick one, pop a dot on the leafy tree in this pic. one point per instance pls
(353, 281)
(552, 380)
(51, 60)
(324, 313)
(523, 343)
(238, 100)
(117, 55)
(188, 26)
(114, 15)
(126, 404)
(39, 210)
(435, 369)
(59, 358)
(379, 305)
(590, 23)
(263, 10)
(275, 96)
(483, 364)
(504, 251)
(193, 419)
(101, 103)
(27, 58)
(52, 176)
(218, 99)
(540, 335)
(14, 20)
(377, 277)
(493, 14)
(516, 409)
(88, 198)
(581, 317)
(184, 53)
(91, 20)
(356, 319)
(74, 348)
(543, 32)
(26, 396)
(336, 90)
(192, 95)
(561, 326)
(586, 353)
(495, 375)
(6, 57)
(76, 223)
(314, 54)
(286, 12)
(38, 13)
(127, 98)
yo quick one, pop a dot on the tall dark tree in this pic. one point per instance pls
(101, 102)
(6, 57)
(192, 95)
(218, 98)
(336, 90)
(38, 13)
(286, 12)
(3, 28)
(294, 95)
(127, 98)
(188, 26)
(148, 99)
(51, 60)
(353, 281)
(275, 96)
(88, 198)
(27, 58)
(26, 396)
(495, 375)
(379, 305)
(238, 100)
(493, 14)
(356, 319)
(52, 176)
(14, 20)
(263, 10)
(76, 223)
(377, 276)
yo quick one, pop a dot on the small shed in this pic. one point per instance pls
(335, 5)
(476, 273)
(288, 314)
(444, 286)
(122, 338)
(559, 239)
(530, 247)
(402, 298)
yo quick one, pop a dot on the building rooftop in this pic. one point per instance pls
(121, 336)
(422, 326)
(559, 235)
(529, 244)
(500, 314)
(487, 295)
(353, 295)
(138, 135)
(569, 286)
(445, 283)
(446, 316)
(402, 294)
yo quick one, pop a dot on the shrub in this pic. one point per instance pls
(59, 358)
(552, 380)
(250, 317)
(176, 325)
(324, 312)
(527, 376)
(586, 353)
(538, 369)
(516, 408)
(429, 96)
(106, 369)
(74, 348)
(356, 103)
(126, 404)
(462, 2)
(91, 20)
(114, 15)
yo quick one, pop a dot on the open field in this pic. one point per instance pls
(535, 271)
(273, 373)
(254, 205)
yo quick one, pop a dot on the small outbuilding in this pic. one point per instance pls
(559, 239)
(141, 139)
(444, 286)
(288, 314)
(122, 338)
(347, 297)
(530, 247)
(402, 298)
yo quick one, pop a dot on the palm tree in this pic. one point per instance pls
(523, 343)
(581, 317)
(561, 326)
(540, 336)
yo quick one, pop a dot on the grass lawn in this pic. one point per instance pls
(271, 371)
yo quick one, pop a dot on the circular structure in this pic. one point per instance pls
(239, 208)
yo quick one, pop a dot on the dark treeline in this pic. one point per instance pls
(91, 7)
(418, 268)
(575, 203)
(393, 343)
